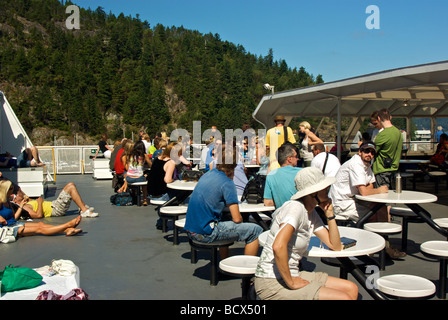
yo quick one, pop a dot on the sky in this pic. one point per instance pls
(337, 39)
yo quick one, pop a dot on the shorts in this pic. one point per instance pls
(276, 289)
(385, 179)
(16, 228)
(61, 204)
(356, 210)
(229, 230)
(22, 160)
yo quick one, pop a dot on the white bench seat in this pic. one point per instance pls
(406, 286)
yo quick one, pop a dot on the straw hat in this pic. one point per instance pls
(310, 180)
(279, 118)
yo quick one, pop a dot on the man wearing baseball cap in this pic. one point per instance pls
(356, 177)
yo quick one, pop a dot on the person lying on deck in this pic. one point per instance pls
(39, 208)
(8, 218)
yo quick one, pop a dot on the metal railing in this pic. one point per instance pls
(76, 159)
(67, 159)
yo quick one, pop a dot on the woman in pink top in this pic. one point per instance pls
(135, 166)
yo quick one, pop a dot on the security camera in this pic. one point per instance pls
(267, 86)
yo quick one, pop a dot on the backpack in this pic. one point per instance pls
(254, 190)
(121, 199)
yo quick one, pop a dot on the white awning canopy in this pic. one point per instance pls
(424, 88)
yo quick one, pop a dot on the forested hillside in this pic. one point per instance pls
(119, 72)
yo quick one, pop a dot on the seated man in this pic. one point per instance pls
(214, 191)
(39, 208)
(28, 158)
(280, 186)
(356, 177)
(328, 163)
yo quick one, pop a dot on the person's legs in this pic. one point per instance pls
(338, 289)
(71, 189)
(33, 156)
(31, 229)
(247, 232)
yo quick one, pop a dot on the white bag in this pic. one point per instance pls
(64, 268)
(7, 235)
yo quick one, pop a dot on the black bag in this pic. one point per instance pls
(254, 190)
(192, 175)
(387, 163)
(122, 199)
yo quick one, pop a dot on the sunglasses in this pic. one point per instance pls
(371, 151)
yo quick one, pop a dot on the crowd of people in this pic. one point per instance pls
(295, 191)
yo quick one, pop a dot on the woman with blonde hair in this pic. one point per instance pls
(306, 153)
(23, 229)
(147, 141)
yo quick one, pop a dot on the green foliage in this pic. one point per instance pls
(155, 78)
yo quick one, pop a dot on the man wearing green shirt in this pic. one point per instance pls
(389, 143)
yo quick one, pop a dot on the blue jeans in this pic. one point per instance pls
(132, 180)
(229, 230)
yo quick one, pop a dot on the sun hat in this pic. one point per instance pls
(279, 118)
(310, 180)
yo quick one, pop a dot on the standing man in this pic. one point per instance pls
(389, 143)
(275, 137)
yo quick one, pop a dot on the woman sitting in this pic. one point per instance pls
(441, 152)
(135, 167)
(161, 173)
(278, 275)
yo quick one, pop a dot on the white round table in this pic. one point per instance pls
(412, 199)
(366, 243)
(405, 197)
(182, 185)
(254, 209)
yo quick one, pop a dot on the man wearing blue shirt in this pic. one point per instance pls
(280, 184)
(214, 191)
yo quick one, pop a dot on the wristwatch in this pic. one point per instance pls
(331, 218)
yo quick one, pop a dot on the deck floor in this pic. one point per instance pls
(122, 256)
